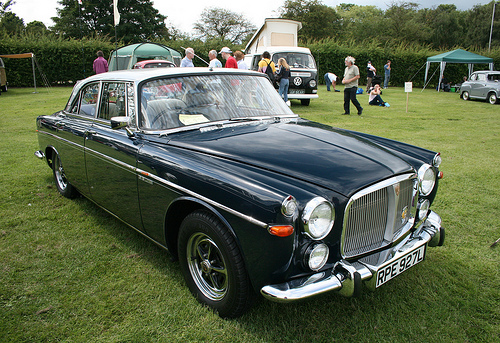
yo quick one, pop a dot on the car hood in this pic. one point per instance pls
(332, 158)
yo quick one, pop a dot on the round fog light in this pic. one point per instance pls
(318, 256)
(423, 209)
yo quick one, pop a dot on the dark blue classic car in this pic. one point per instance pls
(250, 198)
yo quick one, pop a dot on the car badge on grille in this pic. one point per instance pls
(404, 214)
(397, 189)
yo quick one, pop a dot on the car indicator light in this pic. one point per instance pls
(281, 230)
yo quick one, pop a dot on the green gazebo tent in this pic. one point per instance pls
(456, 56)
(128, 55)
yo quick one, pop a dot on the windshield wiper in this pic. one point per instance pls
(246, 119)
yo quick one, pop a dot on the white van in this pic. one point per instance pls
(303, 70)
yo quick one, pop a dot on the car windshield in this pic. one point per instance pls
(296, 59)
(168, 103)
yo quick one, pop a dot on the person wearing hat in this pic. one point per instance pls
(230, 60)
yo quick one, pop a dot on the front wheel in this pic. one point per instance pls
(492, 98)
(62, 183)
(212, 265)
(305, 102)
(465, 95)
(4, 88)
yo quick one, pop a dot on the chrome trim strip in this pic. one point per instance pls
(61, 139)
(203, 198)
(143, 175)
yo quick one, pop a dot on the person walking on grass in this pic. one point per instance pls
(283, 75)
(350, 82)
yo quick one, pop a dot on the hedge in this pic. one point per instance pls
(66, 61)
(407, 61)
(60, 61)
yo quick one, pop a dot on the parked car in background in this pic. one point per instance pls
(3, 77)
(153, 64)
(484, 85)
(249, 197)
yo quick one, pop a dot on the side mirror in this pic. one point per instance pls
(119, 122)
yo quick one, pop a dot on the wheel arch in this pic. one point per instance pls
(490, 93)
(49, 155)
(179, 210)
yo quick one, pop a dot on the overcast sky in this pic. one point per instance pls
(182, 14)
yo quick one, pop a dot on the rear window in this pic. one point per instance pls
(494, 77)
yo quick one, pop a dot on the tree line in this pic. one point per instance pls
(439, 27)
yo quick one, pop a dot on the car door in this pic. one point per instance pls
(111, 156)
(478, 88)
(71, 126)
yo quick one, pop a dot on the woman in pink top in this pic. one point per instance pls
(100, 63)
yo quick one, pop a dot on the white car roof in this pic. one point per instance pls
(138, 75)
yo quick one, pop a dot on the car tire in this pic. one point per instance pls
(492, 98)
(63, 186)
(305, 102)
(212, 265)
(465, 96)
(4, 88)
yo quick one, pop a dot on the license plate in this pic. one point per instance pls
(400, 265)
(296, 91)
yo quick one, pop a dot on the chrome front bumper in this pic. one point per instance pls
(347, 278)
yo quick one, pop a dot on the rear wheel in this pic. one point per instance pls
(212, 265)
(492, 98)
(465, 95)
(62, 183)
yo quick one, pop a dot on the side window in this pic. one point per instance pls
(481, 77)
(255, 62)
(473, 77)
(88, 100)
(112, 100)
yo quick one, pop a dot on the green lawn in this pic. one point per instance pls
(70, 272)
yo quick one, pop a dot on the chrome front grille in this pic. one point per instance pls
(378, 215)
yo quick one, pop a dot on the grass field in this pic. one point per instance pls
(69, 272)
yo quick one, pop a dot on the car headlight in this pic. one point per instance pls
(317, 256)
(426, 179)
(312, 83)
(318, 218)
(423, 208)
